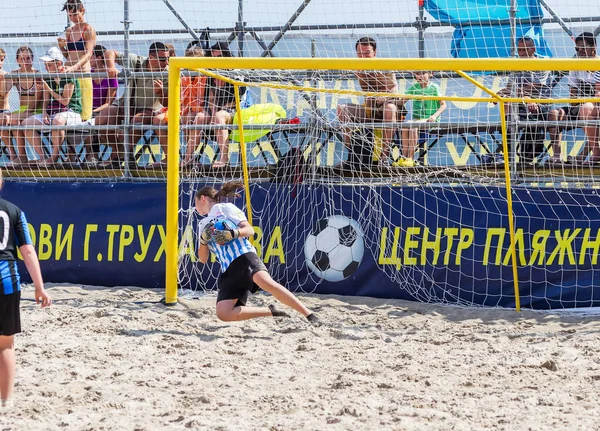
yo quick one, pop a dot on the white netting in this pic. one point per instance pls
(433, 219)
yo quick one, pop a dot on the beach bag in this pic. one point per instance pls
(263, 113)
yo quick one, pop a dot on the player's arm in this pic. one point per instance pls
(245, 229)
(203, 253)
(33, 267)
(205, 236)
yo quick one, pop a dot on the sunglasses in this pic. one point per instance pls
(162, 59)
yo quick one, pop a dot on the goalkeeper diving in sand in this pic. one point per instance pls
(225, 231)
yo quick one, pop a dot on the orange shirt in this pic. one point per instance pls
(192, 94)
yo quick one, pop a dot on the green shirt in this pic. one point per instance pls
(423, 109)
(58, 87)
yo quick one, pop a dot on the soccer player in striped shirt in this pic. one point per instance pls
(242, 271)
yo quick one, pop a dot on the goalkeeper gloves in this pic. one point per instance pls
(206, 233)
(222, 237)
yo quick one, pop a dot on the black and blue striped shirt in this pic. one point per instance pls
(14, 233)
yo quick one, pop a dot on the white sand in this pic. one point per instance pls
(111, 359)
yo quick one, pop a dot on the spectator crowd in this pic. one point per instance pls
(69, 98)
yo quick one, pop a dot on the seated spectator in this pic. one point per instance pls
(423, 111)
(30, 91)
(62, 106)
(172, 51)
(149, 95)
(78, 48)
(192, 111)
(582, 84)
(4, 106)
(221, 105)
(386, 109)
(532, 85)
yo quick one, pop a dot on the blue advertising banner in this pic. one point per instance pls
(438, 244)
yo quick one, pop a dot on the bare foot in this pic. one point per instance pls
(219, 164)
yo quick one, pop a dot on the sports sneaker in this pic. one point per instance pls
(314, 320)
(405, 163)
(276, 312)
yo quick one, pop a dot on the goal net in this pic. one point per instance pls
(418, 179)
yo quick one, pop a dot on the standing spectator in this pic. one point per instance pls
(192, 111)
(423, 111)
(78, 48)
(386, 109)
(582, 84)
(30, 91)
(62, 106)
(148, 94)
(221, 105)
(15, 234)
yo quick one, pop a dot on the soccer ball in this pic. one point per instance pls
(334, 248)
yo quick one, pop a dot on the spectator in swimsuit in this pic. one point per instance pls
(78, 48)
(62, 106)
(30, 94)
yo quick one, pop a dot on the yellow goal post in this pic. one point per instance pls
(458, 66)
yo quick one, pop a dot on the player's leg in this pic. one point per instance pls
(160, 120)
(390, 115)
(222, 118)
(555, 133)
(7, 367)
(348, 114)
(10, 324)
(264, 280)
(228, 310)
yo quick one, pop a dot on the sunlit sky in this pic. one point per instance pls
(106, 15)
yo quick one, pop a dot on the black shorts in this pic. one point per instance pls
(236, 282)
(571, 112)
(10, 314)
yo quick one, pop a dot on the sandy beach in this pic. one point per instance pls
(115, 359)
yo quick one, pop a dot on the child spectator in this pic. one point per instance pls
(62, 106)
(104, 94)
(423, 111)
(192, 111)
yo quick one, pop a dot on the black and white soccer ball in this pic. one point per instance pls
(334, 248)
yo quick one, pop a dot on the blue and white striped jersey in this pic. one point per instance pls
(232, 250)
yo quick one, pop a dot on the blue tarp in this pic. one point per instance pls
(480, 32)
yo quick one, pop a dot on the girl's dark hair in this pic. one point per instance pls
(73, 5)
(99, 51)
(228, 190)
(223, 47)
(23, 49)
(587, 38)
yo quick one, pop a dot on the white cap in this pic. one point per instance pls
(53, 54)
